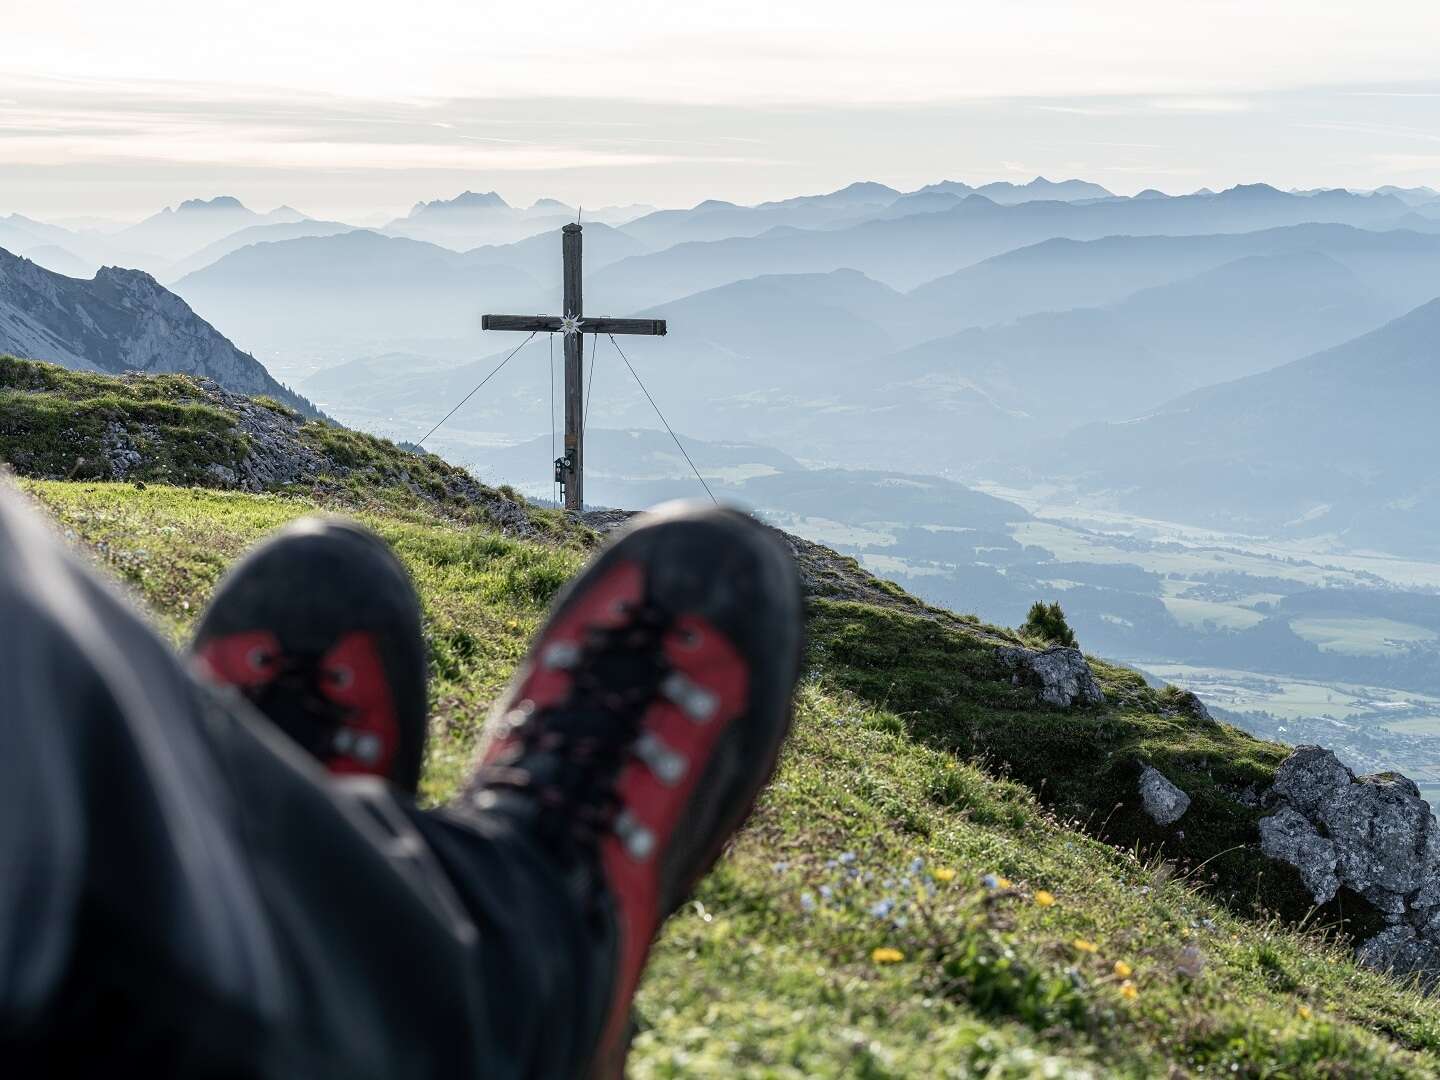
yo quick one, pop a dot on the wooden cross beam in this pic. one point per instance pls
(569, 470)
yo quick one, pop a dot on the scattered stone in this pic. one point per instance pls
(1060, 676)
(1163, 801)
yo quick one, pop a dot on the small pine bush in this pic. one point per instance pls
(1047, 622)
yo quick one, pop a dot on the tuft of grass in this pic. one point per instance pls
(923, 890)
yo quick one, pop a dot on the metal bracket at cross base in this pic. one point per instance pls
(564, 469)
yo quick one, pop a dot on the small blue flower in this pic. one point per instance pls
(847, 857)
(807, 902)
(883, 908)
(916, 865)
(781, 866)
(826, 892)
(990, 881)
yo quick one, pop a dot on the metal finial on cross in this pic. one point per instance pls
(569, 470)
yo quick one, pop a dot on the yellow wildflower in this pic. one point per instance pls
(1304, 1012)
(1044, 897)
(1123, 970)
(1084, 946)
(887, 955)
(945, 875)
(1003, 883)
(1128, 991)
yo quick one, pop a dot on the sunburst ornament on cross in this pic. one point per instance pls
(570, 324)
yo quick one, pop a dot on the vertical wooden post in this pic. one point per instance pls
(574, 374)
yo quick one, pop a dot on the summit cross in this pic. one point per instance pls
(570, 469)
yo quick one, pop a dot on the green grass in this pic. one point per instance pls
(54, 422)
(69, 425)
(910, 744)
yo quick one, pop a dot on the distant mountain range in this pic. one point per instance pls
(178, 231)
(1062, 273)
(925, 331)
(850, 205)
(1037, 190)
(843, 368)
(122, 320)
(473, 219)
(908, 251)
(361, 287)
(268, 233)
(1339, 443)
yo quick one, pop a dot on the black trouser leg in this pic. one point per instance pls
(182, 893)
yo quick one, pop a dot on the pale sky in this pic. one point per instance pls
(347, 109)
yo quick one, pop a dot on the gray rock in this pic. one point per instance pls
(1060, 676)
(1428, 895)
(1386, 838)
(1163, 801)
(1290, 837)
(1310, 776)
(1374, 835)
(1399, 951)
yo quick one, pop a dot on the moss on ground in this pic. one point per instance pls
(914, 896)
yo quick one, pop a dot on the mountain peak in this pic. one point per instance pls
(219, 202)
(1253, 191)
(466, 200)
(869, 189)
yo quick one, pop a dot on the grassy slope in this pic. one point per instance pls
(887, 815)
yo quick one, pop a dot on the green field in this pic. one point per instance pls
(1361, 636)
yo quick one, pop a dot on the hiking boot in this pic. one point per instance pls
(648, 715)
(319, 627)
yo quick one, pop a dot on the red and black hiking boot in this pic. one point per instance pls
(319, 627)
(647, 717)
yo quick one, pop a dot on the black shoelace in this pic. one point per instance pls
(570, 755)
(295, 701)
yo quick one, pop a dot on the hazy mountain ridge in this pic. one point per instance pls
(908, 251)
(472, 219)
(360, 285)
(1339, 442)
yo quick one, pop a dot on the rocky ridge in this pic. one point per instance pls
(119, 321)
